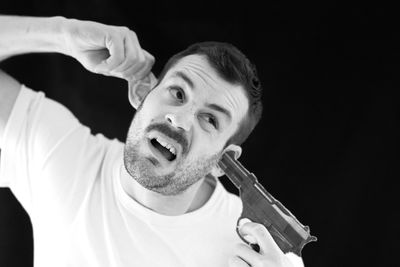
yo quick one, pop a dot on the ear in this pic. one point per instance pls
(216, 170)
(138, 89)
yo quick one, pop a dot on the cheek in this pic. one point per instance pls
(150, 111)
(205, 147)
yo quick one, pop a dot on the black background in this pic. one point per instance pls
(327, 144)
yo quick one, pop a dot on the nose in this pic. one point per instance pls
(181, 120)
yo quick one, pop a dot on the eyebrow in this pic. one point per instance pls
(183, 76)
(220, 109)
(215, 107)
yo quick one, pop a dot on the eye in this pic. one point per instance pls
(211, 120)
(177, 92)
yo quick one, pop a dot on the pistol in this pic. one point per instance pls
(261, 207)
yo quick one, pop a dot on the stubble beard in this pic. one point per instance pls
(142, 170)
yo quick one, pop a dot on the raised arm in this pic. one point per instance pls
(19, 35)
(9, 90)
(103, 49)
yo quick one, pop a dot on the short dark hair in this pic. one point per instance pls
(234, 67)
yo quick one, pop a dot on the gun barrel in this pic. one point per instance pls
(235, 171)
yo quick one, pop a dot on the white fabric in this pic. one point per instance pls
(69, 183)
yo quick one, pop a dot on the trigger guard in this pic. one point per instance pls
(255, 247)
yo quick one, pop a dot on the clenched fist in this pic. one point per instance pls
(108, 50)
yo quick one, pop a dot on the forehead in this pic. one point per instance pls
(208, 86)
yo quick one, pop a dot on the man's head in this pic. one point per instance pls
(207, 101)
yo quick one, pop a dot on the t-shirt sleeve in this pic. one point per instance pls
(44, 147)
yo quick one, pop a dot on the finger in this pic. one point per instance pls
(134, 56)
(116, 48)
(250, 239)
(145, 70)
(139, 72)
(248, 255)
(237, 262)
(153, 80)
(263, 238)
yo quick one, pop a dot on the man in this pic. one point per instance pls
(155, 200)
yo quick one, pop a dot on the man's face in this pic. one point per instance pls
(178, 133)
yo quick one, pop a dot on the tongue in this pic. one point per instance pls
(164, 151)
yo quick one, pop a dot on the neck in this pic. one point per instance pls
(191, 199)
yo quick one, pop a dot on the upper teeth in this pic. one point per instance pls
(166, 145)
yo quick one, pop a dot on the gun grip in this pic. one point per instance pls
(255, 247)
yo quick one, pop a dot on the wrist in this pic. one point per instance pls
(53, 35)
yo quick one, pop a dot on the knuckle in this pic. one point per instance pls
(151, 60)
(143, 62)
(119, 32)
(133, 35)
(149, 65)
(124, 29)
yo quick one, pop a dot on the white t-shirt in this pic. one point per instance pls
(68, 180)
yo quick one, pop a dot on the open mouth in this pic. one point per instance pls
(165, 149)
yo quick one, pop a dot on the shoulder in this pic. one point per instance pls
(9, 90)
(8, 81)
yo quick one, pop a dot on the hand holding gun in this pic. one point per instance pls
(261, 207)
